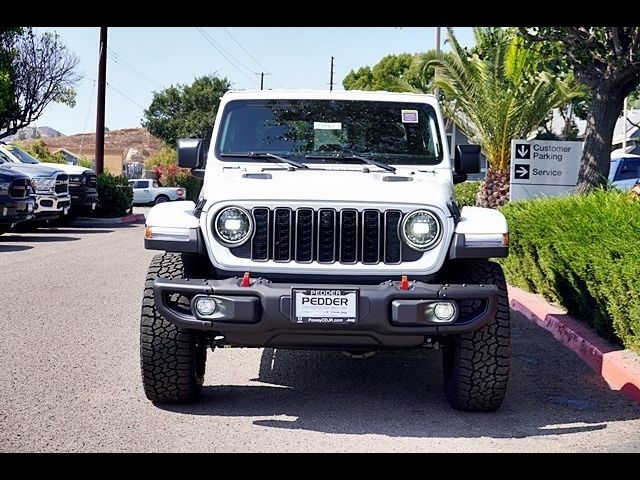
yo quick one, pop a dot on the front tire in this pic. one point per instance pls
(476, 364)
(172, 359)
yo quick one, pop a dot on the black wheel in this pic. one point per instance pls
(161, 199)
(4, 228)
(172, 359)
(476, 365)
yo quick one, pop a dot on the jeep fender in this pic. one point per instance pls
(480, 233)
(173, 227)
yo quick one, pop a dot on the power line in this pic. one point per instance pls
(86, 121)
(123, 63)
(125, 96)
(262, 67)
(232, 61)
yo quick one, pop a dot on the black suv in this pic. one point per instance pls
(16, 203)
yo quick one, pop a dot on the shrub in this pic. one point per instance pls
(465, 193)
(85, 162)
(40, 150)
(582, 252)
(114, 195)
(162, 158)
(173, 176)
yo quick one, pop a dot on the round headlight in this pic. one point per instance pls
(420, 229)
(233, 225)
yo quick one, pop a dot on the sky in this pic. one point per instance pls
(143, 60)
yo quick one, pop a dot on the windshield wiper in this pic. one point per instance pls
(353, 156)
(266, 155)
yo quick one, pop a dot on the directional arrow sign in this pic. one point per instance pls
(523, 150)
(543, 168)
(522, 171)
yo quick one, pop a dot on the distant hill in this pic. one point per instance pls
(27, 133)
(84, 143)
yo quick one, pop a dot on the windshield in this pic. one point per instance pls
(396, 133)
(21, 155)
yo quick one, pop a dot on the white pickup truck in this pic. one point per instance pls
(148, 192)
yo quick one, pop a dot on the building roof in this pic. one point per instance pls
(633, 132)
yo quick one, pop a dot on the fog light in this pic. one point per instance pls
(206, 306)
(444, 311)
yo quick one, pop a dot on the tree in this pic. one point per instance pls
(8, 53)
(185, 110)
(607, 60)
(40, 70)
(498, 92)
(395, 73)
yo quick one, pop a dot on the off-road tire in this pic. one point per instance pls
(172, 359)
(476, 364)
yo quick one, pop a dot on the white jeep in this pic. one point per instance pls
(327, 220)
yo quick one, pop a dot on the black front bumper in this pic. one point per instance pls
(83, 200)
(14, 210)
(261, 313)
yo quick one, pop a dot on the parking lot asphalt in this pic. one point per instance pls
(70, 376)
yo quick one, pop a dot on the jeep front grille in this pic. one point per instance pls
(326, 235)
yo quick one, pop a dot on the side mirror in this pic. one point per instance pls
(467, 159)
(190, 153)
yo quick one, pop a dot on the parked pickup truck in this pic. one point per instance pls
(16, 203)
(624, 172)
(148, 192)
(50, 187)
(82, 181)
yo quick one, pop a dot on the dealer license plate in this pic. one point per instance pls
(324, 305)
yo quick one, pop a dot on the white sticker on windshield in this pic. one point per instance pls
(327, 125)
(409, 116)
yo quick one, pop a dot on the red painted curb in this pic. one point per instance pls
(132, 218)
(619, 368)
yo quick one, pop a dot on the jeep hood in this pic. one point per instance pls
(328, 186)
(33, 170)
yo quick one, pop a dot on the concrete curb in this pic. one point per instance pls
(619, 368)
(102, 222)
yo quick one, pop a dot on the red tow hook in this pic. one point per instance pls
(246, 280)
(404, 283)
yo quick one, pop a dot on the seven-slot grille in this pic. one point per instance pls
(62, 183)
(326, 235)
(20, 188)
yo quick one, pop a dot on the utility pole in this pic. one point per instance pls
(435, 73)
(331, 77)
(102, 86)
(262, 74)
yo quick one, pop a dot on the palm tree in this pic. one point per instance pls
(496, 93)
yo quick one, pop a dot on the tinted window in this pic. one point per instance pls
(394, 132)
(630, 169)
(140, 184)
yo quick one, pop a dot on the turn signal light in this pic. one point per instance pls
(147, 231)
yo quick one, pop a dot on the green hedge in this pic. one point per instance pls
(465, 193)
(582, 252)
(114, 196)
